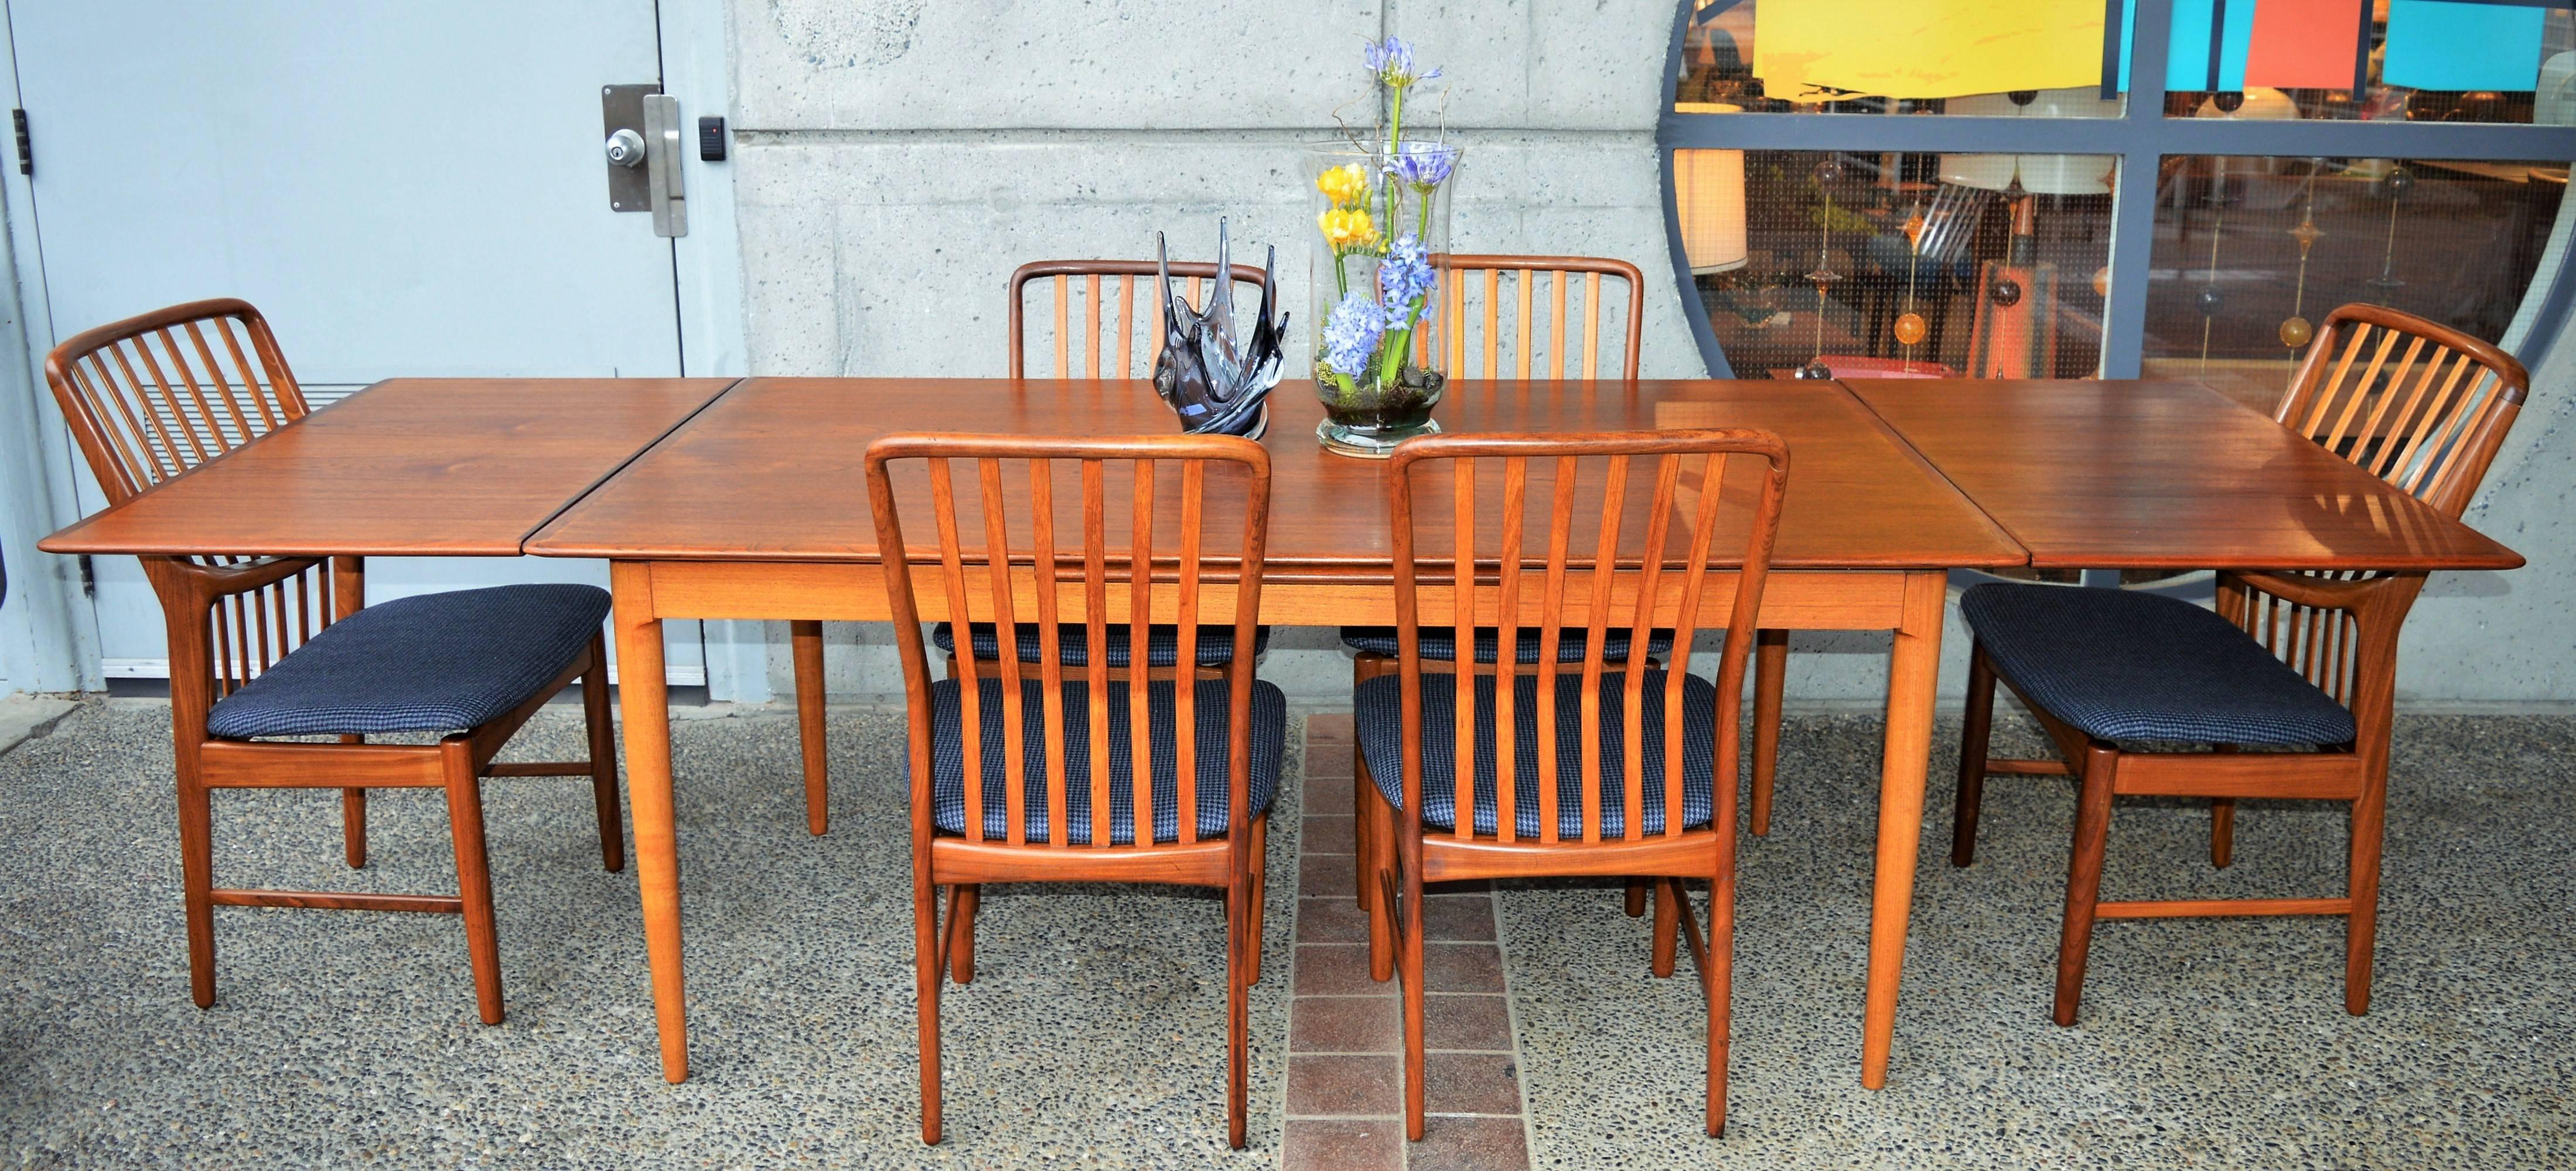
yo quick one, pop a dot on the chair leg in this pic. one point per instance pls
(1370, 873)
(1770, 675)
(1363, 669)
(2084, 879)
(925, 978)
(1242, 953)
(1975, 737)
(353, 818)
(963, 899)
(1636, 900)
(473, 876)
(807, 642)
(1409, 939)
(2222, 832)
(1718, 978)
(2361, 927)
(197, 879)
(603, 757)
(1668, 925)
(353, 824)
(1261, 887)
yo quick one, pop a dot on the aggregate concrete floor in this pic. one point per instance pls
(1090, 1036)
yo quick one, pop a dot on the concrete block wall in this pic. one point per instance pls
(896, 159)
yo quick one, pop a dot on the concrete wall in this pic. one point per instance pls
(897, 158)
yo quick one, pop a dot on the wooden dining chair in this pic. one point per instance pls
(1606, 769)
(1506, 290)
(2300, 665)
(267, 647)
(1107, 324)
(1052, 793)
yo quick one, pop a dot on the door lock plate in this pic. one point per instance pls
(621, 114)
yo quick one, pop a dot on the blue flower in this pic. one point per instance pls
(1351, 333)
(1392, 61)
(1424, 165)
(1405, 275)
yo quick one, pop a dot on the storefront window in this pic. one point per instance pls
(1899, 265)
(2251, 252)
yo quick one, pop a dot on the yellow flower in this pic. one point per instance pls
(1345, 185)
(1348, 230)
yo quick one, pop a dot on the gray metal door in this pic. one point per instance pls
(404, 189)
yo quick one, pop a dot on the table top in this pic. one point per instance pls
(407, 467)
(2164, 475)
(773, 470)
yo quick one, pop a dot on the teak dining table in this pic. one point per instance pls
(716, 498)
(757, 510)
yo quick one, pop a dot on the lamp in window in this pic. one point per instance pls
(2037, 174)
(1708, 194)
(2012, 336)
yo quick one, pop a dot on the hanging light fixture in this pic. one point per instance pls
(2037, 174)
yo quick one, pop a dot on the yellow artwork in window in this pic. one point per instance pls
(1822, 50)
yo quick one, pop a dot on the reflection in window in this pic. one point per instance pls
(1717, 67)
(1899, 265)
(2250, 252)
(2484, 63)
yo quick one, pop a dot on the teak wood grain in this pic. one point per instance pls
(2164, 475)
(432, 467)
(771, 472)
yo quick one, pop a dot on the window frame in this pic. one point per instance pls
(2140, 138)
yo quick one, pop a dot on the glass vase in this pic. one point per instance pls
(1375, 302)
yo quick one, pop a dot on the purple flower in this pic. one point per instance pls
(1405, 275)
(1392, 61)
(1424, 165)
(1351, 333)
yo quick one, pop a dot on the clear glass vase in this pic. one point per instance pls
(1375, 301)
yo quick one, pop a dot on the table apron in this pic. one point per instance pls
(855, 592)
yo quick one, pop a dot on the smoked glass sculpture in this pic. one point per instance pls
(1216, 383)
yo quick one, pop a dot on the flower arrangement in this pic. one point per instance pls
(1383, 217)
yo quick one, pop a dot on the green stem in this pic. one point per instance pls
(1341, 277)
(1394, 143)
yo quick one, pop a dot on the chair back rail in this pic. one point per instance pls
(2418, 404)
(1112, 354)
(1484, 278)
(153, 396)
(998, 573)
(1477, 579)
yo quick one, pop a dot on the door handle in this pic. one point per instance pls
(662, 165)
(643, 155)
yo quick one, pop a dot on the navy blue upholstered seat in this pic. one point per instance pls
(1162, 643)
(1440, 643)
(429, 663)
(2119, 665)
(1379, 711)
(1213, 705)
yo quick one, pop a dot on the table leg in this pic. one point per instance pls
(1913, 669)
(644, 699)
(807, 638)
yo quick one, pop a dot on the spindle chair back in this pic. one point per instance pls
(1100, 340)
(2416, 403)
(1129, 543)
(1555, 347)
(1695, 556)
(153, 396)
